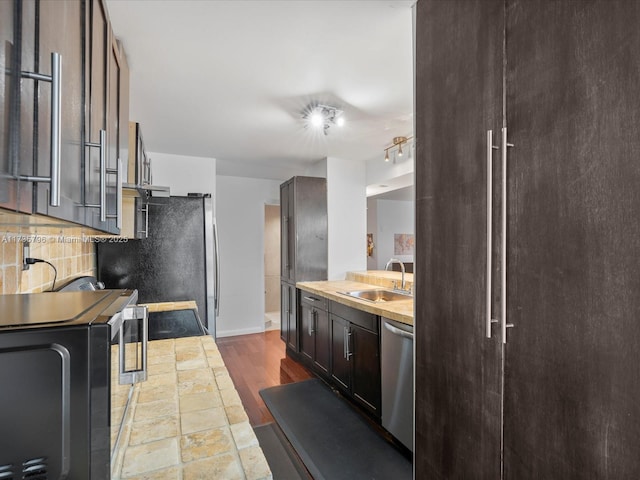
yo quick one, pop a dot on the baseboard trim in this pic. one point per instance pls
(242, 331)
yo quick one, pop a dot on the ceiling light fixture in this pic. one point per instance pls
(323, 116)
(397, 142)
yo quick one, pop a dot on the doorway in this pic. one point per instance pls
(272, 267)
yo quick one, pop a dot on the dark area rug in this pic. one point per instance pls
(331, 438)
(283, 461)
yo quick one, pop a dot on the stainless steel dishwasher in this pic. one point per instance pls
(397, 380)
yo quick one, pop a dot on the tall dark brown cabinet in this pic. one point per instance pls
(549, 390)
(303, 241)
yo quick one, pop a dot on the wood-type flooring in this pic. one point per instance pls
(255, 362)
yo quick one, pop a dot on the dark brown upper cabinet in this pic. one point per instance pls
(42, 102)
(9, 106)
(65, 82)
(527, 205)
(102, 174)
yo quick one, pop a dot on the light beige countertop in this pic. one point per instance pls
(186, 422)
(399, 310)
(170, 306)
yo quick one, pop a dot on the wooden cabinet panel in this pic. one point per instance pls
(289, 315)
(25, 133)
(365, 348)
(307, 331)
(355, 356)
(285, 259)
(458, 369)
(314, 331)
(568, 374)
(60, 29)
(303, 205)
(340, 366)
(99, 61)
(9, 104)
(322, 341)
(572, 368)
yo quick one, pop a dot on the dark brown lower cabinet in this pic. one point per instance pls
(340, 366)
(289, 315)
(314, 332)
(527, 201)
(355, 355)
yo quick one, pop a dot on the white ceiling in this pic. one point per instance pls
(230, 79)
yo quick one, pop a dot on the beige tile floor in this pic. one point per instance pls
(186, 422)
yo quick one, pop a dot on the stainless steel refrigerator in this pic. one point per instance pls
(178, 260)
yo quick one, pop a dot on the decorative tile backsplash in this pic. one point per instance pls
(68, 249)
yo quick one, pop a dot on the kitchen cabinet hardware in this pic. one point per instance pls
(347, 343)
(145, 209)
(55, 143)
(489, 292)
(311, 326)
(344, 340)
(118, 174)
(503, 230)
(102, 145)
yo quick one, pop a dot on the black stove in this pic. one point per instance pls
(175, 324)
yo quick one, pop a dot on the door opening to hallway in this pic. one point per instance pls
(272, 267)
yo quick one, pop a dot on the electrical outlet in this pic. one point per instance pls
(25, 255)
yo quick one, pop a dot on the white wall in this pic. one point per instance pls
(392, 216)
(240, 217)
(184, 174)
(347, 216)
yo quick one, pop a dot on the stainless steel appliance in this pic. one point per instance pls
(397, 380)
(177, 262)
(55, 371)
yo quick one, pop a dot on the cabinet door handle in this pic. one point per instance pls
(490, 148)
(349, 353)
(344, 342)
(145, 210)
(103, 175)
(503, 266)
(311, 299)
(310, 327)
(118, 174)
(56, 119)
(119, 194)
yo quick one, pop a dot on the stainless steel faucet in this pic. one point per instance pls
(395, 260)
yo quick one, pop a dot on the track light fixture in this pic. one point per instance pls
(323, 116)
(397, 142)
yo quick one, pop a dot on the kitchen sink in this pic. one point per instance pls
(378, 295)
